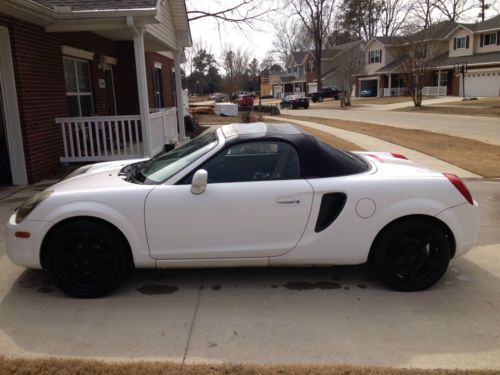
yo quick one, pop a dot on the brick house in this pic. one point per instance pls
(84, 81)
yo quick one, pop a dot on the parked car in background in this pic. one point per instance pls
(258, 195)
(325, 92)
(294, 102)
(368, 93)
(244, 100)
(218, 97)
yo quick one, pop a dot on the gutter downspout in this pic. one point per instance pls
(142, 85)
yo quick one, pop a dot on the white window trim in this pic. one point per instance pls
(81, 93)
(11, 111)
(489, 44)
(158, 65)
(464, 39)
(375, 53)
(76, 52)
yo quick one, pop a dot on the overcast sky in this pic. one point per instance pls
(256, 42)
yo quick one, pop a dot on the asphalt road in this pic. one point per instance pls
(312, 315)
(484, 129)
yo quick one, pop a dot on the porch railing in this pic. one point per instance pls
(101, 138)
(164, 131)
(396, 91)
(434, 90)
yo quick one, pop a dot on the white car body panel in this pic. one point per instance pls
(241, 224)
(255, 219)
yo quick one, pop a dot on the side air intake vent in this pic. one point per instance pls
(332, 205)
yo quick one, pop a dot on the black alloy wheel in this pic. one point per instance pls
(87, 259)
(411, 255)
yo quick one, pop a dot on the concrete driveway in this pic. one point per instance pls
(484, 129)
(314, 315)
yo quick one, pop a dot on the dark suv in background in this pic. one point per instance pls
(325, 92)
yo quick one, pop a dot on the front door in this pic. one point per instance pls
(5, 172)
(110, 90)
(255, 205)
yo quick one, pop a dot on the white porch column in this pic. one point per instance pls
(439, 82)
(178, 93)
(390, 84)
(379, 90)
(142, 91)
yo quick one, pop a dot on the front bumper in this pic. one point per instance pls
(463, 220)
(25, 251)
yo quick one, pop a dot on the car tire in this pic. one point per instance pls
(294, 106)
(306, 107)
(87, 259)
(320, 99)
(411, 255)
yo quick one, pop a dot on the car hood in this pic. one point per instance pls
(98, 176)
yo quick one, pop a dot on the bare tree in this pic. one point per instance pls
(418, 54)
(423, 12)
(235, 63)
(454, 10)
(316, 17)
(394, 15)
(241, 13)
(350, 64)
(291, 36)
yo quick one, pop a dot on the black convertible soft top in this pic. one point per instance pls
(318, 159)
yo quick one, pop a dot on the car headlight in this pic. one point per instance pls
(30, 204)
(78, 171)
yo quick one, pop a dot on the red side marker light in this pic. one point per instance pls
(399, 156)
(22, 234)
(459, 184)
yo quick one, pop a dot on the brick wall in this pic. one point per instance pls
(167, 65)
(39, 73)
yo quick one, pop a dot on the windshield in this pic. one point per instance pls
(161, 168)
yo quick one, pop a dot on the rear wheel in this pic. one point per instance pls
(411, 255)
(87, 259)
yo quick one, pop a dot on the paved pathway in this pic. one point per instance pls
(484, 129)
(393, 106)
(375, 144)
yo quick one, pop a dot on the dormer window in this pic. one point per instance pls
(375, 56)
(462, 42)
(489, 39)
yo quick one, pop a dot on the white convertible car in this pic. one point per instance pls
(246, 195)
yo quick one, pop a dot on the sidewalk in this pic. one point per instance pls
(393, 106)
(375, 144)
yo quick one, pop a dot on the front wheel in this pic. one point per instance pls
(87, 259)
(411, 255)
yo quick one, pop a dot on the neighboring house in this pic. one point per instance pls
(301, 69)
(477, 45)
(85, 81)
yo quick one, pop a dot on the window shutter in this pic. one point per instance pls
(380, 56)
(454, 43)
(467, 41)
(498, 38)
(481, 41)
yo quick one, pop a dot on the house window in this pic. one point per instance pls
(444, 79)
(462, 42)
(489, 39)
(310, 67)
(78, 87)
(375, 56)
(159, 100)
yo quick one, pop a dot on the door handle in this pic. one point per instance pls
(288, 201)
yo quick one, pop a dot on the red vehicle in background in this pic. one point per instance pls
(244, 100)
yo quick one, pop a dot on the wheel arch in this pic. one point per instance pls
(56, 226)
(444, 227)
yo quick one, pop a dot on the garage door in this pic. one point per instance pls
(482, 83)
(370, 84)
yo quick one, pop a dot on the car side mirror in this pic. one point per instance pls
(199, 182)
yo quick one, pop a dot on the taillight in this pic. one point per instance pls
(459, 184)
(399, 156)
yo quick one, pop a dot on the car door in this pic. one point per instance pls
(256, 204)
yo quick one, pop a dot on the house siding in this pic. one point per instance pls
(461, 51)
(165, 30)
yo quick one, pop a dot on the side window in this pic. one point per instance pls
(253, 161)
